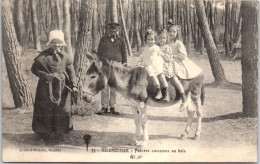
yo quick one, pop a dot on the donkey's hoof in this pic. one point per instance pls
(197, 137)
(133, 143)
(183, 137)
(182, 108)
(144, 144)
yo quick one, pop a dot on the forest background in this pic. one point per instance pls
(203, 24)
(212, 31)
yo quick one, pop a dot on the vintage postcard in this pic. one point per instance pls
(129, 81)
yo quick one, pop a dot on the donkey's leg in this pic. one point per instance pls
(190, 112)
(197, 102)
(144, 124)
(138, 128)
(199, 116)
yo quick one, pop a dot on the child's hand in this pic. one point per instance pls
(179, 57)
(164, 50)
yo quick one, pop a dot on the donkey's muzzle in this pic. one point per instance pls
(87, 98)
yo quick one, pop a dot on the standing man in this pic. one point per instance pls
(111, 48)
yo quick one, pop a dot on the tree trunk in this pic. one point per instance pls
(74, 22)
(12, 52)
(85, 21)
(95, 32)
(227, 29)
(125, 31)
(238, 29)
(195, 29)
(233, 21)
(136, 25)
(28, 24)
(113, 11)
(46, 17)
(58, 15)
(249, 61)
(165, 13)
(143, 21)
(131, 35)
(216, 67)
(19, 21)
(158, 15)
(66, 25)
(36, 38)
(188, 25)
(211, 21)
(81, 62)
(184, 25)
(200, 42)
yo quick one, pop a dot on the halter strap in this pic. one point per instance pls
(109, 75)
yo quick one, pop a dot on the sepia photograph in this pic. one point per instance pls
(129, 80)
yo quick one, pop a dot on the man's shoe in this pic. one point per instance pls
(113, 111)
(102, 111)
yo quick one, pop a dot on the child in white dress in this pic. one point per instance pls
(169, 65)
(153, 64)
(185, 68)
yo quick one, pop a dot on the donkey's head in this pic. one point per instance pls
(94, 81)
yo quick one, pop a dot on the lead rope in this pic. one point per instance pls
(53, 99)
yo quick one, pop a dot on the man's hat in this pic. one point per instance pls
(113, 24)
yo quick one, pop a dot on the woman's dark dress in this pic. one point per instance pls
(48, 116)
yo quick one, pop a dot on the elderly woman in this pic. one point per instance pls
(52, 110)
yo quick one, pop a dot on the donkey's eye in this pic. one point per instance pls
(93, 76)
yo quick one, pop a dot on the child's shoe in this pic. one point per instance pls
(165, 95)
(158, 94)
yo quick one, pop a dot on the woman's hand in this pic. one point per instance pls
(75, 89)
(49, 77)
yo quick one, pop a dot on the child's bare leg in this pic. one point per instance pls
(164, 88)
(163, 80)
(180, 87)
(156, 83)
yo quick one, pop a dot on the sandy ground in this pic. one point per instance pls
(226, 136)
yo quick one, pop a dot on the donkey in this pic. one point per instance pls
(135, 84)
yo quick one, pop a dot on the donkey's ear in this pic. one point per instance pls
(94, 54)
(91, 56)
(99, 62)
(93, 68)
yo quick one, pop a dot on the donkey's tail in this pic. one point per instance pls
(202, 95)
